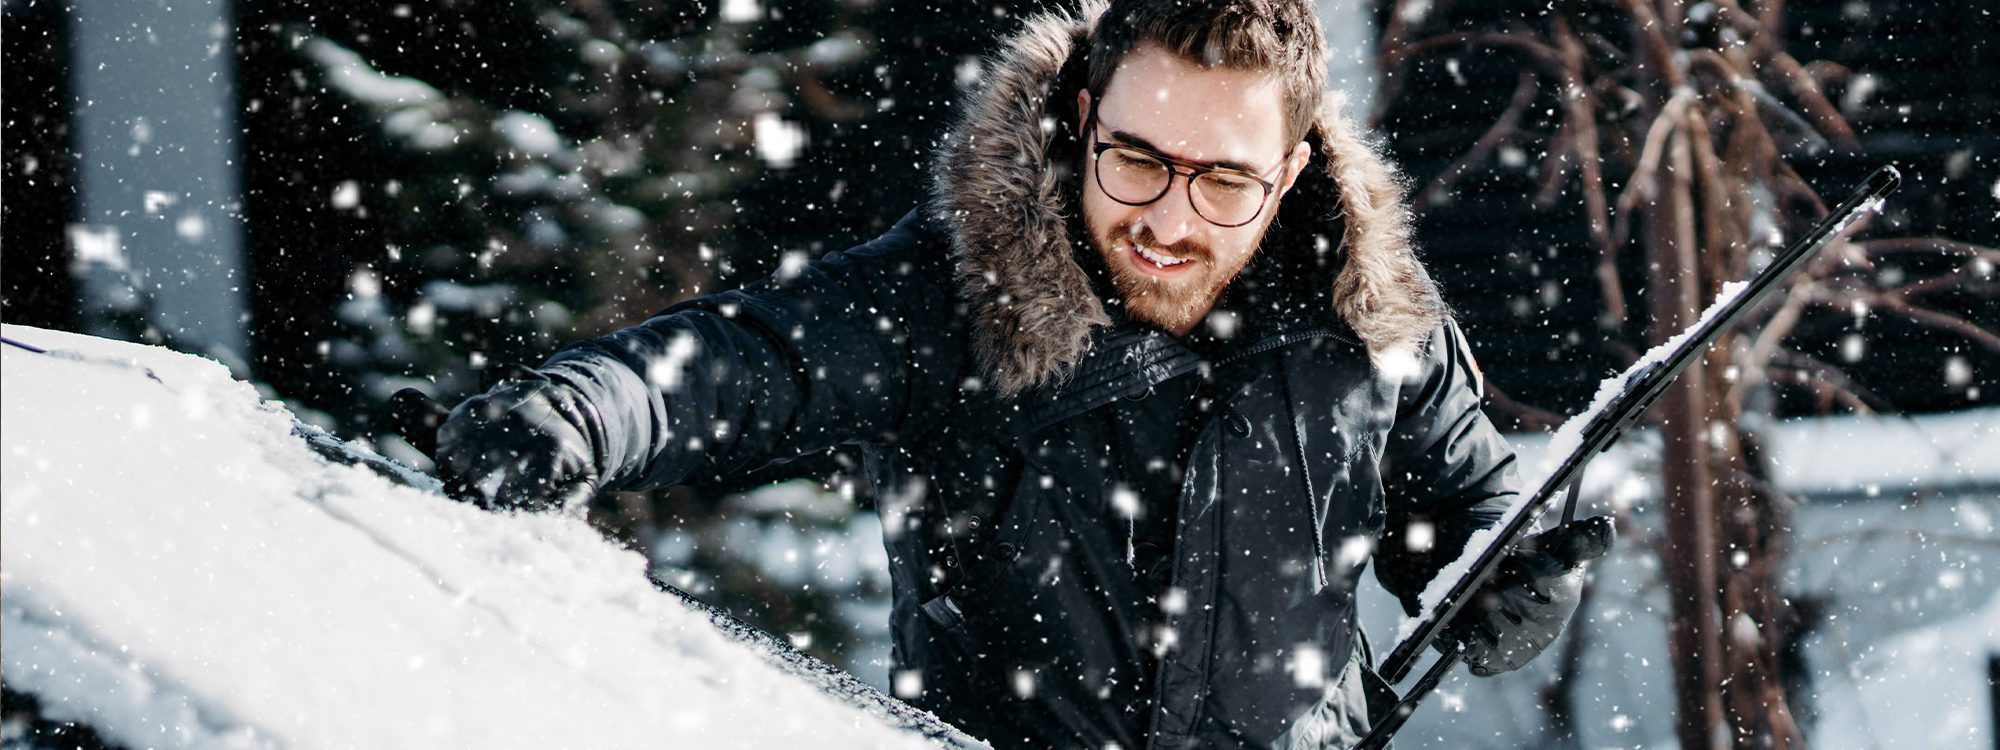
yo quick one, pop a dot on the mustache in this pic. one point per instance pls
(1143, 235)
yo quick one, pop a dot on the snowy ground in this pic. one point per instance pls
(181, 570)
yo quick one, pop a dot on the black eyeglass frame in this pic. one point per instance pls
(1193, 172)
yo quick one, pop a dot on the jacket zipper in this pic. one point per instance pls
(1180, 549)
(1285, 339)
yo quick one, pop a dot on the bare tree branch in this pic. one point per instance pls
(1929, 246)
(1822, 112)
(1924, 316)
(1653, 34)
(1642, 184)
(1508, 126)
(1936, 319)
(1954, 280)
(1536, 52)
(1581, 112)
(1773, 332)
(1817, 372)
(1523, 416)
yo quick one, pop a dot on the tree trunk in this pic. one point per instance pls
(1688, 553)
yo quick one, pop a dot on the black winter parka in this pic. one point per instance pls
(969, 353)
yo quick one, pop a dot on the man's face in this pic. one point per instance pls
(1167, 262)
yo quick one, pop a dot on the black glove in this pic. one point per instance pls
(520, 445)
(1524, 605)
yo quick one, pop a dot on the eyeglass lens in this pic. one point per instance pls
(1136, 178)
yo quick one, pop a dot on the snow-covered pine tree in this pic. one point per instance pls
(603, 186)
(521, 228)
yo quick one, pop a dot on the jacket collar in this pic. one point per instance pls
(1004, 193)
(1120, 360)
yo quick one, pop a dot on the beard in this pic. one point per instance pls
(1176, 303)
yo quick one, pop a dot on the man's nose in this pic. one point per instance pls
(1172, 217)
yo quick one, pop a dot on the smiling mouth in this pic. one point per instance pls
(1157, 260)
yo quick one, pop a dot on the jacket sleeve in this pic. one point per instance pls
(1444, 466)
(860, 345)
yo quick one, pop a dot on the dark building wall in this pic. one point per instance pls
(39, 195)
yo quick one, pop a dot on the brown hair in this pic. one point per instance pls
(1279, 36)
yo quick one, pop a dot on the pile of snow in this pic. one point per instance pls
(1887, 456)
(1927, 688)
(181, 569)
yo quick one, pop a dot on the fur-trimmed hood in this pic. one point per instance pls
(1004, 193)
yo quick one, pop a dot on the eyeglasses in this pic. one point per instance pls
(1137, 176)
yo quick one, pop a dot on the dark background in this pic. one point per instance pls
(1933, 64)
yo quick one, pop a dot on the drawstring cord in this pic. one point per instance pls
(1312, 497)
(1131, 549)
(1125, 472)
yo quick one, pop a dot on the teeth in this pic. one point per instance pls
(1163, 261)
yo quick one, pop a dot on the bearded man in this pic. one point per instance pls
(1141, 389)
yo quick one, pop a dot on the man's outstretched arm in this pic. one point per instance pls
(859, 345)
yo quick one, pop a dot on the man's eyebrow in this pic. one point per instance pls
(1148, 145)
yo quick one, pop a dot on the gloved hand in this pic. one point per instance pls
(519, 445)
(1524, 605)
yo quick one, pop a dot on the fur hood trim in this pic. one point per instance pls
(1002, 192)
